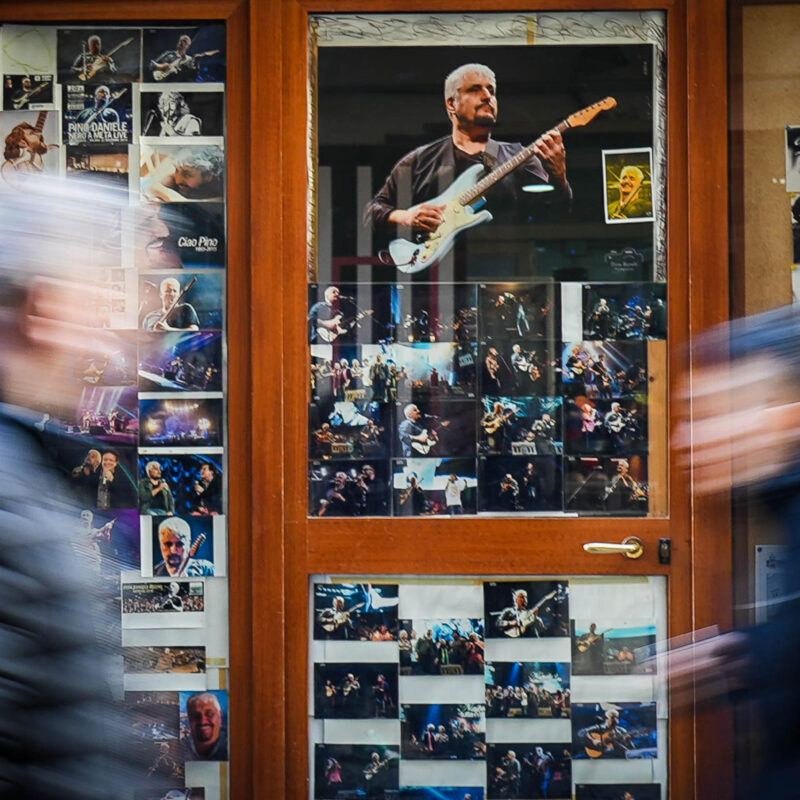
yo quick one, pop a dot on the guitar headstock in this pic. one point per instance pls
(586, 115)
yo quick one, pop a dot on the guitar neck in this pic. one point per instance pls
(497, 174)
(40, 121)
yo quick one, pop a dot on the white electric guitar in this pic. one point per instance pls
(464, 196)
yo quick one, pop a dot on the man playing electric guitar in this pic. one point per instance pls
(177, 64)
(327, 321)
(471, 105)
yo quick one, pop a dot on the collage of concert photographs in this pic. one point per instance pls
(479, 689)
(131, 120)
(487, 303)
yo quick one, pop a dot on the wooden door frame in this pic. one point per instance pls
(699, 527)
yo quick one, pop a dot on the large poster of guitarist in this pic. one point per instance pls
(99, 55)
(614, 730)
(492, 157)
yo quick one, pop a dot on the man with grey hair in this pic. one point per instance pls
(172, 316)
(174, 540)
(471, 105)
(155, 496)
(207, 740)
(193, 173)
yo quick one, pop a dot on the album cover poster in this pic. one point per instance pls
(435, 427)
(99, 55)
(520, 311)
(185, 54)
(629, 185)
(355, 691)
(178, 236)
(365, 612)
(181, 422)
(605, 427)
(614, 730)
(182, 547)
(342, 429)
(431, 486)
(360, 770)
(444, 731)
(527, 689)
(184, 362)
(604, 369)
(511, 484)
(521, 426)
(180, 173)
(204, 725)
(520, 368)
(618, 791)
(184, 301)
(349, 488)
(157, 604)
(526, 608)
(529, 770)
(31, 147)
(97, 113)
(605, 648)
(605, 485)
(102, 165)
(168, 113)
(346, 314)
(441, 647)
(441, 793)
(525, 224)
(435, 313)
(624, 311)
(27, 92)
(195, 483)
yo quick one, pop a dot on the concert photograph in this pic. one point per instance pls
(181, 547)
(162, 660)
(433, 370)
(605, 649)
(110, 541)
(103, 166)
(183, 362)
(102, 55)
(441, 793)
(178, 236)
(435, 313)
(188, 484)
(351, 372)
(605, 484)
(434, 486)
(341, 429)
(604, 370)
(182, 173)
(435, 427)
(355, 691)
(154, 715)
(185, 54)
(160, 762)
(511, 311)
(181, 302)
(520, 368)
(29, 92)
(517, 484)
(605, 427)
(521, 426)
(530, 609)
(104, 414)
(624, 311)
(614, 730)
(618, 791)
(109, 361)
(143, 598)
(527, 689)
(441, 647)
(349, 488)
(356, 770)
(179, 422)
(365, 612)
(529, 770)
(167, 114)
(443, 731)
(348, 314)
(545, 219)
(102, 475)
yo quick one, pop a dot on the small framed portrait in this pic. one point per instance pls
(629, 185)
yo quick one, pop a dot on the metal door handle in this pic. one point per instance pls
(631, 547)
